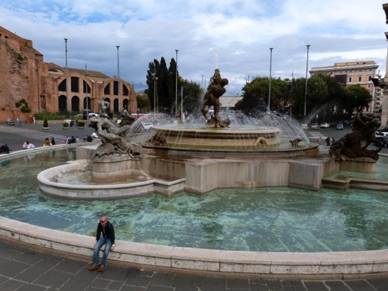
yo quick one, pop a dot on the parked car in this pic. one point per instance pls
(324, 125)
(380, 133)
(93, 114)
(314, 126)
(384, 140)
(340, 126)
(147, 125)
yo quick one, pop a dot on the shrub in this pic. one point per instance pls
(24, 106)
(45, 122)
(81, 123)
(65, 124)
(25, 109)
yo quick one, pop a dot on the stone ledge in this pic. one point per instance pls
(224, 263)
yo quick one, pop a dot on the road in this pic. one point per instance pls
(333, 132)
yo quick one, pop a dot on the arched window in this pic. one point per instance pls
(62, 86)
(125, 90)
(75, 104)
(115, 88)
(116, 105)
(74, 84)
(86, 87)
(125, 104)
(110, 105)
(62, 103)
(87, 103)
(107, 89)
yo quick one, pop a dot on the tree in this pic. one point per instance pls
(143, 103)
(165, 81)
(152, 74)
(326, 97)
(357, 98)
(172, 71)
(164, 97)
(256, 93)
(254, 96)
(192, 93)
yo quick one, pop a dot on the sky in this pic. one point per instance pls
(232, 35)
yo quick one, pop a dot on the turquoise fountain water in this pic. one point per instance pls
(261, 219)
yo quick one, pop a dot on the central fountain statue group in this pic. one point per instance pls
(114, 141)
(212, 98)
(113, 136)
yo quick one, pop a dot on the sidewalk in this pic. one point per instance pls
(22, 268)
(15, 136)
(26, 269)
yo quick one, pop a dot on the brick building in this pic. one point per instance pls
(25, 75)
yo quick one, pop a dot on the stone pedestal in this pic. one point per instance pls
(115, 168)
(366, 165)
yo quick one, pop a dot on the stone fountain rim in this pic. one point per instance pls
(210, 130)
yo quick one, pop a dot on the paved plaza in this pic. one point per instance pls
(24, 268)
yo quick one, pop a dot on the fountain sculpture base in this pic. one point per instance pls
(219, 138)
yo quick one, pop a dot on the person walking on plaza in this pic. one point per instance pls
(328, 141)
(105, 228)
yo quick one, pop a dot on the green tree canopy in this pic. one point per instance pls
(357, 98)
(192, 93)
(164, 79)
(325, 96)
(143, 103)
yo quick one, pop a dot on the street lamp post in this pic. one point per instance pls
(118, 77)
(155, 90)
(270, 80)
(176, 84)
(86, 89)
(67, 76)
(182, 115)
(305, 88)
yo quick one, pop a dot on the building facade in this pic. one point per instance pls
(50, 88)
(355, 73)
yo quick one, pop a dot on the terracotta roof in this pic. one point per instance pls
(91, 74)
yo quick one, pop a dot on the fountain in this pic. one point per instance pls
(272, 151)
(252, 152)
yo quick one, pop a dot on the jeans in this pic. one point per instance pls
(96, 256)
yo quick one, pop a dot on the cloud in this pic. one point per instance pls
(233, 35)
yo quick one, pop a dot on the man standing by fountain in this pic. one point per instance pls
(105, 228)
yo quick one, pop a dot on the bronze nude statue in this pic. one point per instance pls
(355, 144)
(214, 91)
(113, 137)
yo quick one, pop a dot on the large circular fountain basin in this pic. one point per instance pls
(225, 138)
(324, 264)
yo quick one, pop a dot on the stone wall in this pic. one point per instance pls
(25, 75)
(19, 69)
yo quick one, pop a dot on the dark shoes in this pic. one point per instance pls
(101, 269)
(94, 267)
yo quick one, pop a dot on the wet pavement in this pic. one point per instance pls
(24, 268)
